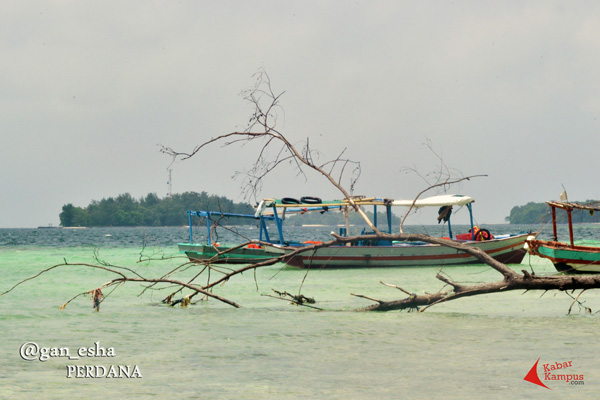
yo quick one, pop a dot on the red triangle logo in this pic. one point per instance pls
(532, 376)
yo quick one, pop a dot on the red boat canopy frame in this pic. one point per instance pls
(568, 207)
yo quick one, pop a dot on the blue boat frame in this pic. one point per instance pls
(279, 220)
(264, 232)
(207, 214)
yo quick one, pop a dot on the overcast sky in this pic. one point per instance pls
(88, 91)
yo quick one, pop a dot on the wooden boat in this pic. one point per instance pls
(508, 249)
(567, 257)
(243, 255)
(225, 253)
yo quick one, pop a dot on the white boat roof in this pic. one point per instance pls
(436, 201)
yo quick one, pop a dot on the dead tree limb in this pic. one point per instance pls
(265, 101)
(518, 282)
(512, 280)
(122, 278)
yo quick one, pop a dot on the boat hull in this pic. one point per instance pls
(508, 250)
(242, 255)
(567, 258)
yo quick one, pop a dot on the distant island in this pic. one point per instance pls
(150, 210)
(538, 213)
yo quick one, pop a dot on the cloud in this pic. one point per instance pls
(88, 90)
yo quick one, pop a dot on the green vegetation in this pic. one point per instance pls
(537, 213)
(150, 210)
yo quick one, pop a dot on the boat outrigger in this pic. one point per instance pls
(567, 257)
(508, 249)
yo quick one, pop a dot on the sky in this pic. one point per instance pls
(90, 90)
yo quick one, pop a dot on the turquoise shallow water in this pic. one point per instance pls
(479, 347)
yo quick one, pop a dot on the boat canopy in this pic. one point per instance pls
(436, 201)
(316, 204)
(267, 209)
(288, 205)
(570, 206)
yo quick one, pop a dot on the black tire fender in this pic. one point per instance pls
(311, 200)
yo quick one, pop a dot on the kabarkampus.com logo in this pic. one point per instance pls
(554, 372)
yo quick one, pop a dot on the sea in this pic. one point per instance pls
(137, 347)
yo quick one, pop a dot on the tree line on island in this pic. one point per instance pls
(538, 213)
(151, 210)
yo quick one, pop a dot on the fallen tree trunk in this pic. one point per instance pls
(526, 281)
(512, 280)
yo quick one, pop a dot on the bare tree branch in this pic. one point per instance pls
(265, 119)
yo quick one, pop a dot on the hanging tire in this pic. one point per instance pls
(289, 200)
(311, 200)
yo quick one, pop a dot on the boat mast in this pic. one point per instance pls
(278, 223)
(208, 229)
(263, 228)
(471, 218)
(375, 215)
(389, 217)
(570, 226)
(553, 210)
(189, 213)
(347, 218)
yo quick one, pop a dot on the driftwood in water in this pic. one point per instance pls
(512, 280)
